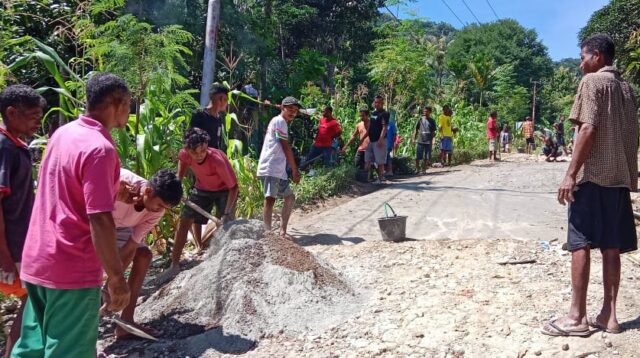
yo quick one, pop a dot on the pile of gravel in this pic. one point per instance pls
(254, 285)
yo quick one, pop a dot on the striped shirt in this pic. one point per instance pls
(607, 102)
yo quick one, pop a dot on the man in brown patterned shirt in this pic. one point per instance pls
(601, 175)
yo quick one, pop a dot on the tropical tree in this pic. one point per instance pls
(482, 70)
(506, 42)
(140, 54)
(400, 65)
(619, 19)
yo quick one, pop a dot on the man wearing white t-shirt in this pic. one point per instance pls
(136, 213)
(272, 167)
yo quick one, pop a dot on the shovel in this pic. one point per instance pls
(202, 212)
(128, 327)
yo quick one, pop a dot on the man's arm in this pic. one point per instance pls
(182, 169)
(583, 145)
(103, 235)
(8, 271)
(353, 137)
(383, 135)
(292, 163)
(231, 200)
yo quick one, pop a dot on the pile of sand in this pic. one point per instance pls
(254, 285)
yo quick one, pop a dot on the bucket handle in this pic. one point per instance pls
(386, 213)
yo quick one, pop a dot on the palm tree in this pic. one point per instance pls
(482, 70)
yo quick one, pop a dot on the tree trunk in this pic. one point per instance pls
(136, 131)
(263, 59)
(211, 39)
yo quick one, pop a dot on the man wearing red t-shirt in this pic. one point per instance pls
(328, 130)
(492, 135)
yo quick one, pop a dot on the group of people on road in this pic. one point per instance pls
(552, 141)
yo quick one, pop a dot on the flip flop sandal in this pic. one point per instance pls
(560, 332)
(593, 323)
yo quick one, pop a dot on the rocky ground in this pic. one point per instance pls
(445, 292)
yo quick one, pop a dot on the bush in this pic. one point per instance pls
(326, 183)
(468, 155)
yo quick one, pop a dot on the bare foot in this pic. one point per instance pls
(565, 326)
(168, 274)
(285, 236)
(605, 322)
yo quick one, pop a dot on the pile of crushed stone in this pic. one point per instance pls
(253, 284)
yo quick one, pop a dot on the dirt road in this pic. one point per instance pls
(509, 200)
(444, 295)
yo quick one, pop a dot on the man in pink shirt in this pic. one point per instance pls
(72, 236)
(492, 135)
(216, 185)
(134, 219)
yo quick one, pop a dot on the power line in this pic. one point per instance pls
(494, 11)
(453, 12)
(471, 11)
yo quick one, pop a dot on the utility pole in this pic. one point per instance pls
(210, 42)
(533, 109)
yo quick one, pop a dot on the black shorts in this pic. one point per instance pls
(206, 200)
(560, 140)
(530, 141)
(360, 160)
(601, 218)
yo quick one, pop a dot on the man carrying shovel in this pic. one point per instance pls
(137, 212)
(216, 185)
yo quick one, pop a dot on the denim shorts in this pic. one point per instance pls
(446, 144)
(423, 151)
(275, 187)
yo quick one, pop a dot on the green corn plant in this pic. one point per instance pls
(71, 88)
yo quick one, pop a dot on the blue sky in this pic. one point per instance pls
(557, 22)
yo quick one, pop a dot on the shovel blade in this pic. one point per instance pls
(133, 330)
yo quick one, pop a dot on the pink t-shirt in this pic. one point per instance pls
(79, 176)
(126, 215)
(214, 174)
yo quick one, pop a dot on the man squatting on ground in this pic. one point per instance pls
(272, 165)
(602, 172)
(136, 213)
(21, 108)
(72, 235)
(216, 186)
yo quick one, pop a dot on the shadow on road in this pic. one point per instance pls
(633, 324)
(325, 239)
(426, 186)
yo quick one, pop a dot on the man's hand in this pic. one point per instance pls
(8, 271)
(128, 193)
(296, 176)
(118, 292)
(381, 142)
(565, 192)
